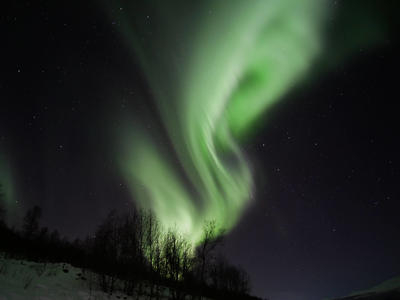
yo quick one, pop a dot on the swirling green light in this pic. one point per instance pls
(216, 75)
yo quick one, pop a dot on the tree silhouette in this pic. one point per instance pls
(2, 209)
(2, 205)
(135, 250)
(211, 239)
(30, 225)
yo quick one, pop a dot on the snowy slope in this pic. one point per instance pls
(20, 280)
(30, 280)
(388, 290)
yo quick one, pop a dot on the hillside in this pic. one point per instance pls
(20, 279)
(388, 290)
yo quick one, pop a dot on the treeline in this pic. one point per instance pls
(134, 253)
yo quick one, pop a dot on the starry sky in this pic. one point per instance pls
(324, 216)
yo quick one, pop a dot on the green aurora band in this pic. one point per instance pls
(7, 200)
(212, 75)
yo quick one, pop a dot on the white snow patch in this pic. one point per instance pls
(21, 279)
(388, 285)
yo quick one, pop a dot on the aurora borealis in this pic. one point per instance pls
(6, 184)
(236, 62)
(276, 119)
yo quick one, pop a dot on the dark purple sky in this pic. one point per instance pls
(326, 217)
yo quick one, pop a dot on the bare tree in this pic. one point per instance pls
(211, 239)
(107, 251)
(131, 260)
(2, 209)
(152, 240)
(177, 259)
(30, 225)
(228, 278)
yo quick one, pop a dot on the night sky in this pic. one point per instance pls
(324, 216)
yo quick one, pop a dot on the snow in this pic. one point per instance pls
(388, 285)
(388, 289)
(21, 279)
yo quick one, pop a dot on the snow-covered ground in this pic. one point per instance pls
(391, 284)
(20, 280)
(387, 290)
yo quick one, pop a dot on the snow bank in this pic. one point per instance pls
(21, 279)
